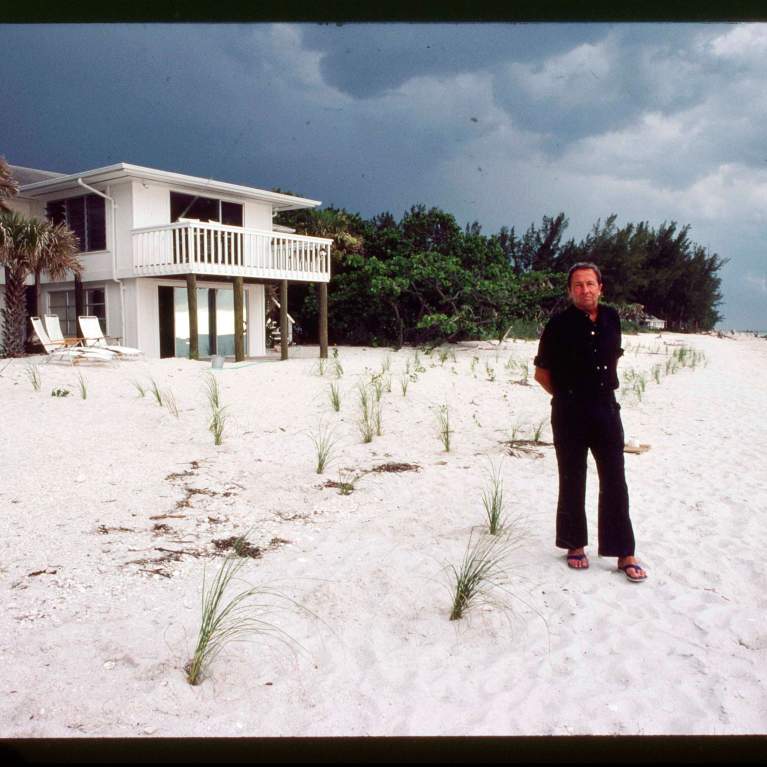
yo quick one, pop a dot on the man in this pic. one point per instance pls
(577, 364)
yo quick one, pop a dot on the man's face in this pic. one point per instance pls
(584, 290)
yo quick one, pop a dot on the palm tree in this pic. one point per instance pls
(30, 246)
(57, 257)
(8, 185)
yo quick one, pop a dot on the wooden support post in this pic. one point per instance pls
(191, 299)
(324, 320)
(239, 335)
(79, 304)
(284, 319)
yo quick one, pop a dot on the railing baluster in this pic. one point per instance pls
(228, 250)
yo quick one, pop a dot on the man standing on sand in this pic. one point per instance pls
(577, 364)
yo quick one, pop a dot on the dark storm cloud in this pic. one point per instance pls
(367, 60)
(498, 123)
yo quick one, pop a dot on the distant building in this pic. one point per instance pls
(654, 323)
(143, 231)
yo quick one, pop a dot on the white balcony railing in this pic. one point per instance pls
(210, 248)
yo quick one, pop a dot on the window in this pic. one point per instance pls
(62, 303)
(85, 216)
(204, 209)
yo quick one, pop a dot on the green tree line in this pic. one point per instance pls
(424, 279)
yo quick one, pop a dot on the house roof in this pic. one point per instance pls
(55, 182)
(26, 176)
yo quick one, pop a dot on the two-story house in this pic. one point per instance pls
(156, 246)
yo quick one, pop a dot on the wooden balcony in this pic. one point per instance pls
(214, 249)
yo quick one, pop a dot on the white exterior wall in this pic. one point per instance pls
(256, 215)
(142, 204)
(151, 205)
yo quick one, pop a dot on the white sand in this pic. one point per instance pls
(95, 646)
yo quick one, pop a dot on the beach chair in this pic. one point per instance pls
(58, 350)
(94, 338)
(53, 329)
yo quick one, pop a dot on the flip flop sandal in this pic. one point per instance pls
(577, 558)
(633, 578)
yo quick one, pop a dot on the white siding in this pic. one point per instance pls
(257, 215)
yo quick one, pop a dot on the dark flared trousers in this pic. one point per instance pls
(581, 424)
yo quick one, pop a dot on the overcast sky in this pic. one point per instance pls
(496, 123)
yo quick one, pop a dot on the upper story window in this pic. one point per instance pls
(85, 216)
(204, 209)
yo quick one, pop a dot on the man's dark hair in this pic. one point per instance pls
(583, 265)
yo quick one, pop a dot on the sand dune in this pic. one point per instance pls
(100, 614)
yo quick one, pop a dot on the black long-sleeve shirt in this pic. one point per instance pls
(581, 355)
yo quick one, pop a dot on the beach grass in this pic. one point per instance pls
(226, 619)
(483, 568)
(324, 442)
(140, 388)
(82, 385)
(493, 501)
(154, 387)
(218, 415)
(169, 400)
(443, 423)
(33, 374)
(335, 397)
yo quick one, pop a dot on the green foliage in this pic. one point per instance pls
(60, 392)
(82, 385)
(423, 280)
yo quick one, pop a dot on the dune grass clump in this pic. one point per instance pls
(218, 415)
(338, 368)
(365, 420)
(386, 363)
(538, 430)
(82, 385)
(376, 418)
(482, 570)
(335, 397)
(404, 380)
(377, 384)
(227, 619)
(443, 423)
(60, 392)
(324, 442)
(169, 401)
(489, 372)
(492, 500)
(346, 481)
(33, 374)
(154, 387)
(140, 389)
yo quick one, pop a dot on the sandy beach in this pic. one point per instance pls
(112, 506)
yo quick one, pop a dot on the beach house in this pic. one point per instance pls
(172, 262)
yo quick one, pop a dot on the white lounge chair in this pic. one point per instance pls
(94, 338)
(53, 329)
(58, 350)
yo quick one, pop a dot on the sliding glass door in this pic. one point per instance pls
(215, 321)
